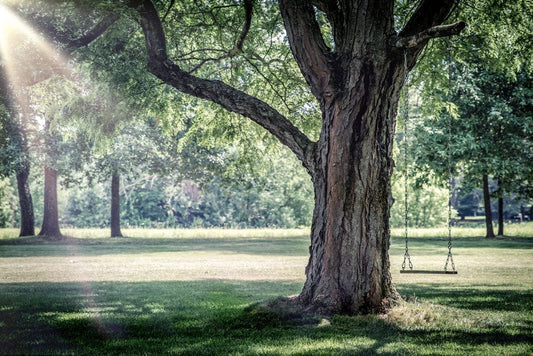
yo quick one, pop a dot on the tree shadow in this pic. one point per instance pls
(507, 242)
(481, 297)
(212, 318)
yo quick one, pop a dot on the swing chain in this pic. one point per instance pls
(449, 259)
(406, 257)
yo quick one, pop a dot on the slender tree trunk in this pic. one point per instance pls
(500, 216)
(50, 227)
(27, 219)
(488, 210)
(500, 210)
(115, 205)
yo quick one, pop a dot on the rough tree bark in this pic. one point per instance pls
(27, 219)
(488, 210)
(115, 205)
(358, 85)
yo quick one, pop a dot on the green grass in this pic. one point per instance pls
(187, 292)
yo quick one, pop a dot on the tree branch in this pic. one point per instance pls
(427, 18)
(92, 34)
(215, 91)
(433, 32)
(307, 45)
(248, 7)
(429, 13)
(168, 9)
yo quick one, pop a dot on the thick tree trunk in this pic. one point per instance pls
(115, 206)
(488, 210)
(349, 268)
(50, 227)
(27, 218)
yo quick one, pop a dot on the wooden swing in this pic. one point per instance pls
(407, 258)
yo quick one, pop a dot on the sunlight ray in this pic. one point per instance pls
(27, 56)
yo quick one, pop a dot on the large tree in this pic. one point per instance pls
(356, 76)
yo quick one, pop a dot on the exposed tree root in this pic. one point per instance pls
(290, 310)
(282, 310)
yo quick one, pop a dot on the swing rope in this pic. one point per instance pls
(406, 256)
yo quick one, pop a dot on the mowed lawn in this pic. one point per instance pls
(189, 292)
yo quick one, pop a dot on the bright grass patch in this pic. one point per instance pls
(516, 230)
(190, 293)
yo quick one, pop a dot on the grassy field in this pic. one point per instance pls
(188, 292)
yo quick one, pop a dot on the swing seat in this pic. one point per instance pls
(425, 271)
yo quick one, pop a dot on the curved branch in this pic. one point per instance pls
(433, 32)
(307, 45)
(168, 9)
(423, 25)
(218, 92)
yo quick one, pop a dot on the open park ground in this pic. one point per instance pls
(191, 292)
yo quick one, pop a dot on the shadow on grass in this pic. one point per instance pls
(473, 298)
(506, 242)
(211, 318)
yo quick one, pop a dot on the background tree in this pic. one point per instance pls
(140, 150)
(59, 148)
(27, 60)
(15, 152)
(7, 203)
(485, 93)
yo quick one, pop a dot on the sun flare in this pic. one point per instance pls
(25, 52)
